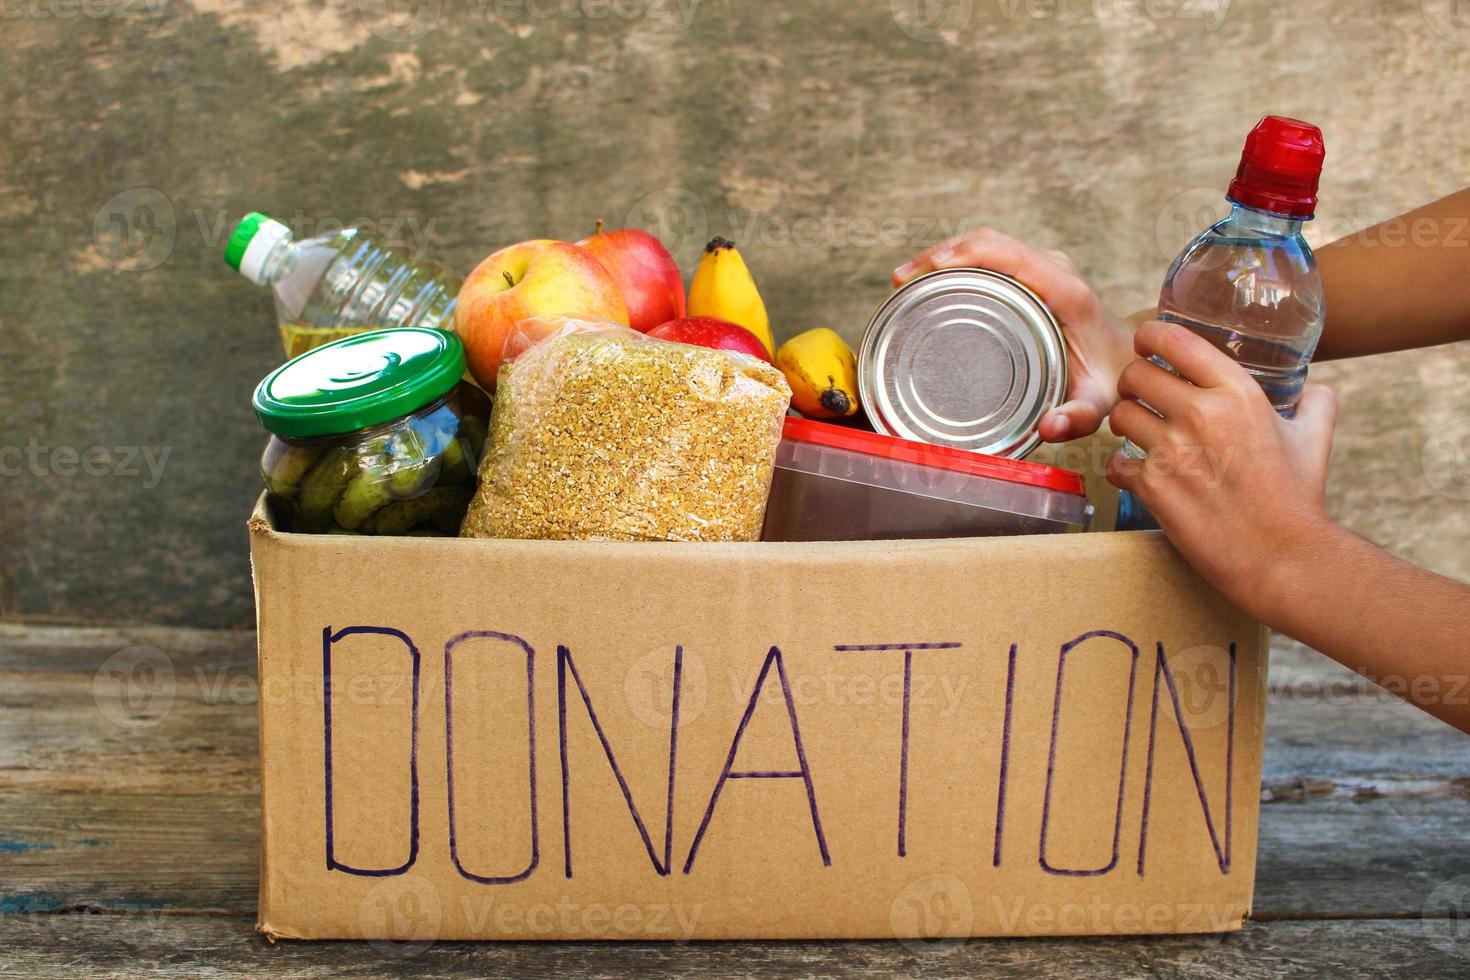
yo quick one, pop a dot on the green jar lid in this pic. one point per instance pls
(359, 381)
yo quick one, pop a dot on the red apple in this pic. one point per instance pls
(645, 272)
(535, 278)
(709, 331)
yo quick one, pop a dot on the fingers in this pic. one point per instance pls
(1124, 471)
(1147, 382)
(1316, 418)
(1196, 359)
(1316, 411)
(1072, 420)
(1054, 280)
(1132, 421)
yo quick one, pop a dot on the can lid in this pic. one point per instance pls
(1280, 167)
(925, 454)
(966, 358)
(359, 381)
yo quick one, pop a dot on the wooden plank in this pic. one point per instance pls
(170, 946)
(127, 710)
(128, 852)
(1331, 856)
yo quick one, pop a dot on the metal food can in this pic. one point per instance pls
(966, 358)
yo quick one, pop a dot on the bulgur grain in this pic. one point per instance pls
(615, 436)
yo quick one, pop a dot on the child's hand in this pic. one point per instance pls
(1099, 344)
(1238, 489)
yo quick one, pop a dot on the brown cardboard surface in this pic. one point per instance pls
(476, 739)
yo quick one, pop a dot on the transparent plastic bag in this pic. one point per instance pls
(600, 432)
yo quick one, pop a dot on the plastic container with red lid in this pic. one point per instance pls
(839, 484)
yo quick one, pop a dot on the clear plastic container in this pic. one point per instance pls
(839, 484)
(337, 285)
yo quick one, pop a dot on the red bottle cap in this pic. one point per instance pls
(1279, 167)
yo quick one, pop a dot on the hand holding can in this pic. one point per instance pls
(1099, 344)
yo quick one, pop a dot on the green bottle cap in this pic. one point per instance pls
(240, 240)
(359, 381)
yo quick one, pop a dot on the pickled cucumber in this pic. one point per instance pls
(366, 494)
(441, 508)
(414, 462)
(286, 465)
(323, 486)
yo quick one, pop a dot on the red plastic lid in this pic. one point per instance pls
(942, 457)
(1280, 167)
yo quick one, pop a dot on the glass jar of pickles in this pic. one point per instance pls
(373, 434)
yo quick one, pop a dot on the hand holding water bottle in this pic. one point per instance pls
(1236, 486)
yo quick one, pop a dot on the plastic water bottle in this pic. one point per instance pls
(1249, 283)
(335, 285)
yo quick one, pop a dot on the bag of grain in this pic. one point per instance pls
(600, 432)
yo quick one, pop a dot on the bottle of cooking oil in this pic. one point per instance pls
(339, 284)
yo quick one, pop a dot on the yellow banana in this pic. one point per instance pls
(822, 372)
(723, 288)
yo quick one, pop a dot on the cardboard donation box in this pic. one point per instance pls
(480, 739)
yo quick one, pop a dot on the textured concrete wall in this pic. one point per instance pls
(830, 138)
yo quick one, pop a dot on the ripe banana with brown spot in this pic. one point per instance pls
(822, 372)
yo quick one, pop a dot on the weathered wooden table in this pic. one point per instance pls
(128, 837)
